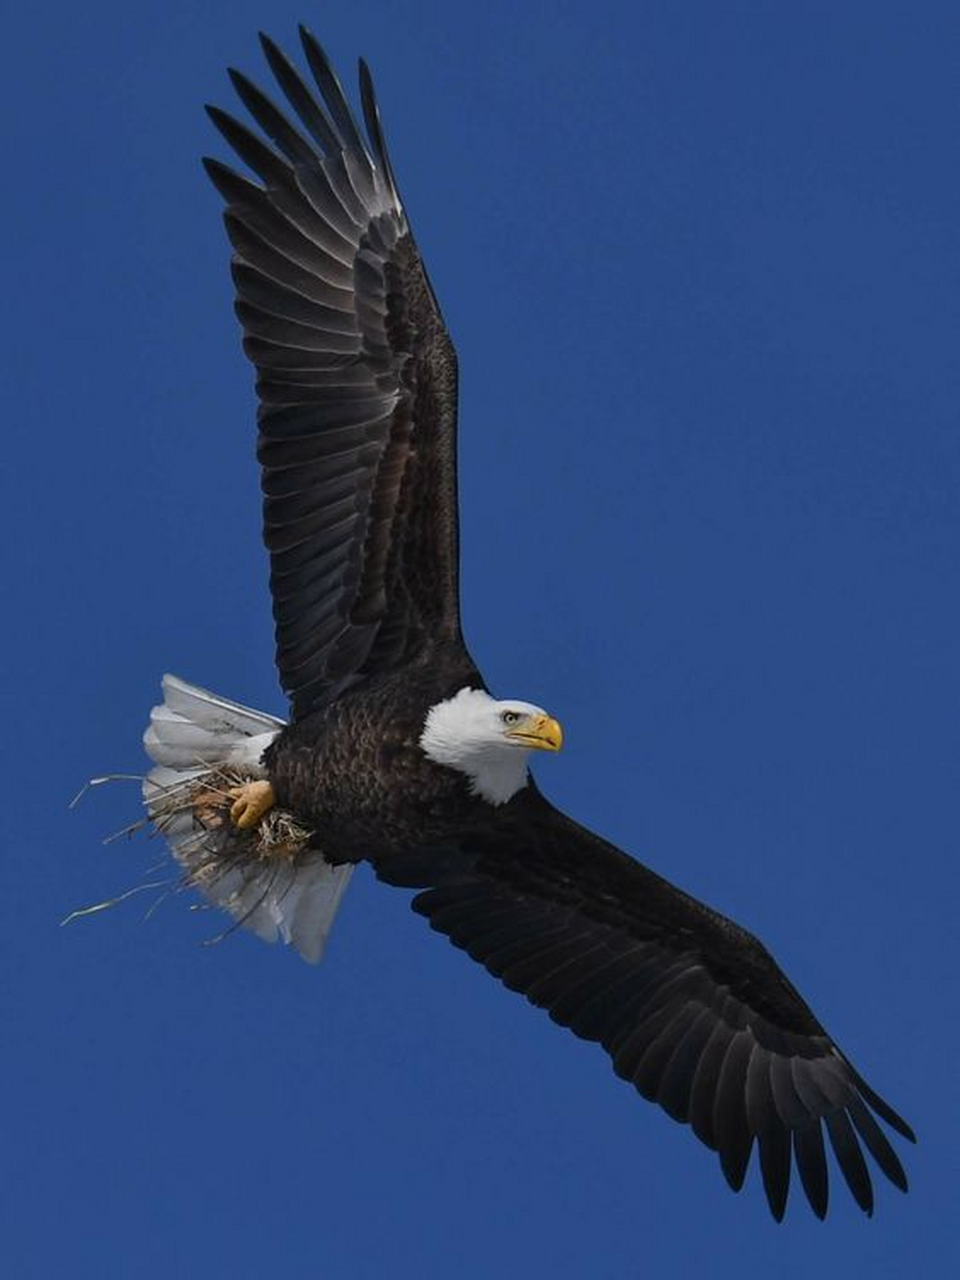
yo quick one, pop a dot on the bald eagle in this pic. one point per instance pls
(396, 752)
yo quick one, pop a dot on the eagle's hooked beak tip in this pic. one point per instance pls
(542, 733)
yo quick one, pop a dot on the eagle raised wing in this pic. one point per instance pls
(357, 382)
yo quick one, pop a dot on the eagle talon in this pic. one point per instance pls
(250, 802)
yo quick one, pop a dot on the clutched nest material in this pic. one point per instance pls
(272, 878)
(205, 800)
(194, 815)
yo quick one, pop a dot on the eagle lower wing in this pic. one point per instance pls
(692, 1009)
(357, 386)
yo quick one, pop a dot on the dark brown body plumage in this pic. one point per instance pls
(354, 772)
(357, 383)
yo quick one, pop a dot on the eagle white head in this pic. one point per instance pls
(488, 740)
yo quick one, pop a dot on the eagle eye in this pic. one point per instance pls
(510, 717)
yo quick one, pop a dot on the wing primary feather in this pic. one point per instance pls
(344, 124)
(883, 1109)
(789, 1105)
(332, 201)
(812, 1164)
(263, 160)
(830, 1078)
(357, 206)
(758, 1091)
(733, 1136)
(772, 1135)
(358, 167)
(774, 1144)
(811, 1096)
(371, 116)
(850, 1159)
(253, 211)
(300, 97)
(235, 187)
(271, 120)
(876, 1143)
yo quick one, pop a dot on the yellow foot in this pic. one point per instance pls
(250, 803)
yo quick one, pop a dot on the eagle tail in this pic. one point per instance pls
(269, 881)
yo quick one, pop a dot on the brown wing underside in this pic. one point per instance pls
(357, 386)
(692, 1009)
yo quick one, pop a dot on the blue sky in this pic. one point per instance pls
(701, 266)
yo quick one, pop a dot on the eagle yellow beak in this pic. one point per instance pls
(543, 733)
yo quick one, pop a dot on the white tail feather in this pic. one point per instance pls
(194, 728)
(190, 734)
(201, 707)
